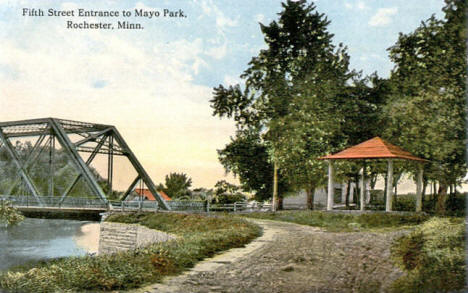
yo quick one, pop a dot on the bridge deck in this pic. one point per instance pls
(74, 204)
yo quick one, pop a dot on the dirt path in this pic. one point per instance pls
(294, 258)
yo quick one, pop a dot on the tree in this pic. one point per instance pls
(177, 185)
(426, 110)
(247, 157)
(226, 193)
(299, 55)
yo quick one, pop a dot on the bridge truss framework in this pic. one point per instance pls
(105, 139)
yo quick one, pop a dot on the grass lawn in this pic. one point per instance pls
(200, 237)
(343, 222)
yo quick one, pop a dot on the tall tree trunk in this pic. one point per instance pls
(373, 180)
(310, 197)
(424, 191)
(348, 192)
(385, 189)
(395, 184)
(356, 195)
(274, 201)
(279, 202)
(441, 199)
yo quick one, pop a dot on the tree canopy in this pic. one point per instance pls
(299, 100)
(426, 108)
(298, 77)
(177, 185)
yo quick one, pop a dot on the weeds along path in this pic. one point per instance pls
(294, 258)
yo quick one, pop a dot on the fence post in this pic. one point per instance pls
(235, 207)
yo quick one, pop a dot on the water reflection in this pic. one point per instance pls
(37, 239)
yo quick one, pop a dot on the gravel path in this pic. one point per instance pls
(294, 258)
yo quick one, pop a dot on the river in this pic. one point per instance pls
(38, 239)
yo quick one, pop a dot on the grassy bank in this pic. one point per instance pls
(433, 257)
(200, 237)
(343, 222)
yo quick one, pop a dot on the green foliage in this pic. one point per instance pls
(247, 157)
(287, 111)
(177, 185)
(226, 193)
(8, 214)
(433, 257)
(199, 237)
(426, 109)
(335, 221)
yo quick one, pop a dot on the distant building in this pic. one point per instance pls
(299, 199)
(146, 194)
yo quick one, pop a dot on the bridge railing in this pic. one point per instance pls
(55, 202)
(240, 207)
(186, 205)
(135, 205)
(89, 203)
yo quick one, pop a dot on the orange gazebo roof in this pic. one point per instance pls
(375, 148)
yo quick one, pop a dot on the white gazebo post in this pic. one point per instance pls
(419, 182)
(330, 186)
(388, 204)
(363, 188)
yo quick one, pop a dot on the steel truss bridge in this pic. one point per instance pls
(93, 139)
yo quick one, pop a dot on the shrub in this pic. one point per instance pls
(433, 256)
(8, 214)
(405, 202)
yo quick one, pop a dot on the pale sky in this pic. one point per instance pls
(155, 84)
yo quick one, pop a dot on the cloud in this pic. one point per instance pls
(217, 52)
(357, 5)
(383, 16)
(222, 21)
(146, 90)
(361, 5)
(260, 18)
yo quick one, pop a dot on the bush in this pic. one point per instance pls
(433, 256)
(405, 202)
(8, 214)
(455, 204)
(200, 237)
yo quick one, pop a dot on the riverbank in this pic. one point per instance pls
(199, 237)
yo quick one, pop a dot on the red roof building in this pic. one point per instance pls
(149, 196)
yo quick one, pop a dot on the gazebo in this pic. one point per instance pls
(376, 149)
